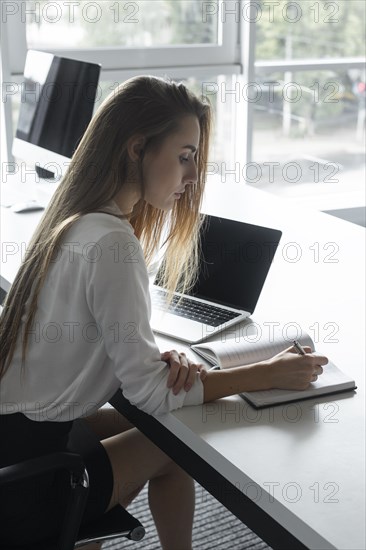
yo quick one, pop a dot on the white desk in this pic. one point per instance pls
(294, 473)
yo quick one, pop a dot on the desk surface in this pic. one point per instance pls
(301, 464)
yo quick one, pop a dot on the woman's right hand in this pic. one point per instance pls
(290, 371)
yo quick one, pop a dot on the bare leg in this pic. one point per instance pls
(136, 460)
(172, 499)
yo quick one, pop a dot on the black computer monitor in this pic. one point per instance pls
(57, 102)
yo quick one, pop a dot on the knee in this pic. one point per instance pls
(172, 468)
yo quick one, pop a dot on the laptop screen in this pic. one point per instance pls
(235, 261)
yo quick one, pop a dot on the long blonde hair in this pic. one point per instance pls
(147, 106)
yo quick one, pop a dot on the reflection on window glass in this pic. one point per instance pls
(309, 127)
(137, 24)
(320, 29)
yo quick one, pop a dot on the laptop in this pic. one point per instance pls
(234, 262)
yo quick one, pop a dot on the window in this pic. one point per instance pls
(186, 40)
(124, 34)
(286, 78)
(132, 24)
(312, 30)
(309, 111)
(308, 128)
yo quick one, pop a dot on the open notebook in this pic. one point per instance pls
(233, 354)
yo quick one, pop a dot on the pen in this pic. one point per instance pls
(299, 348)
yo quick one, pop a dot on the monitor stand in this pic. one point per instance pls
(44, 174)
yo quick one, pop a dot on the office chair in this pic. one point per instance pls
(112, 525)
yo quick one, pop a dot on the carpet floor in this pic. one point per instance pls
(215, 528)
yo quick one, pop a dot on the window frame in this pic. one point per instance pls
(125, 58)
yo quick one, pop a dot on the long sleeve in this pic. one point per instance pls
(117, 294)
(91, 333)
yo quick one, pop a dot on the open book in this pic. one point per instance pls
(234, 354)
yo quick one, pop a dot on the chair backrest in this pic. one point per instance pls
(116, 523)
(79, 487)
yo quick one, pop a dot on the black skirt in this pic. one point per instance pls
(33, 510)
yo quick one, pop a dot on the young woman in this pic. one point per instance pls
(75, 324)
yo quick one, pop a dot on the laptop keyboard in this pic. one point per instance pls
(196, 311)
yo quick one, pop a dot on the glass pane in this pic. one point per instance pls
(309, 128)
(319, 29)
(137, 24)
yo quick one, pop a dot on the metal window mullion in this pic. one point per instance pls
(245, 108)
(310, 64)
(16, 40)
(6, 103)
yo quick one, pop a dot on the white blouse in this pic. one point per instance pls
(91, 333)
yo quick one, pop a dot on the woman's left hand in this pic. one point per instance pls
(182, 371)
